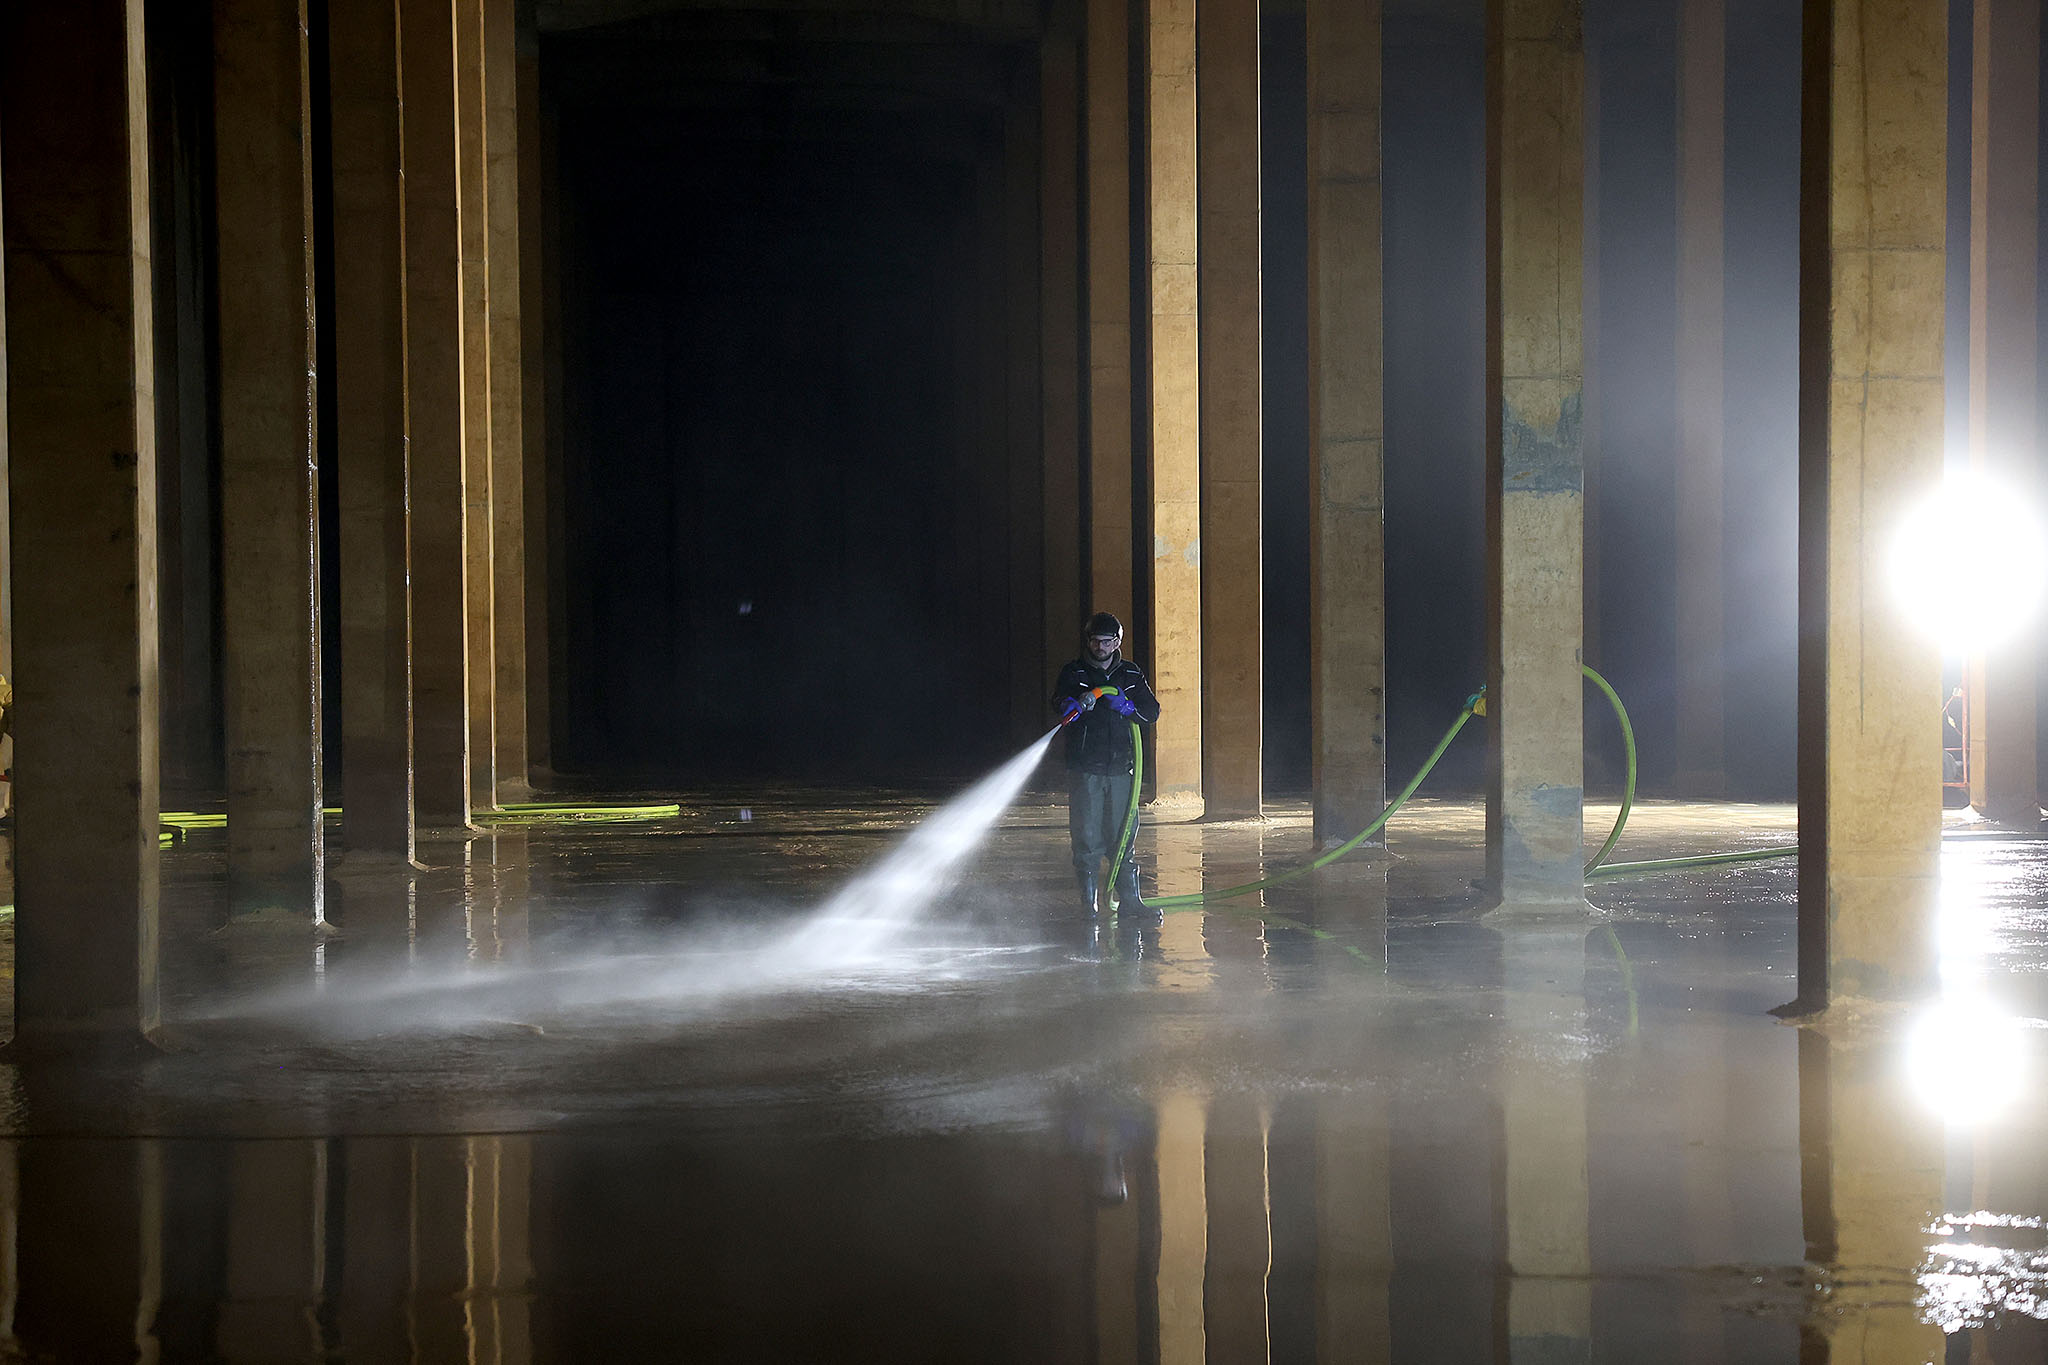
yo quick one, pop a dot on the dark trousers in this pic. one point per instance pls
(1096, 803)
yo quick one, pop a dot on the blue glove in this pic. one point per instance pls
(1124, 707)
(1070, 710)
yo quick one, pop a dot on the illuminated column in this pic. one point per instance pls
(1232, 489)
(1108, 78)
(369, 380)
(270, 573)
(1534, 617)
(434, 415)
(1872, 226)
(276, 1246)
(2005, 105)
(1347, 419)
(1060, 348)
(1871, 1174)
(1702, 82)
(1176, 488)
(82, 486)
(503, 154)
(1543, 1123)
(472, 179)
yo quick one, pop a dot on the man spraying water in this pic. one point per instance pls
(1100, 758)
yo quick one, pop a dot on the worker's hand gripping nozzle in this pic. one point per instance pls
(1076, 707)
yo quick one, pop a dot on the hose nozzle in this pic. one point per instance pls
(1076, 708)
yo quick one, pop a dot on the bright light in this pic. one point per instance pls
(1968, 564)
(1966, 1061)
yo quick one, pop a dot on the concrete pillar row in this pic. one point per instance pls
(1534, 498)
(82, 485)
(370, 445)
(1347, 419)
(472, 178)
(503, 154)
(1702, 643)
(1873, 223)
(270, 559)
(434, 415)
(2005, 139)
(1231, 529)
(1175, 485)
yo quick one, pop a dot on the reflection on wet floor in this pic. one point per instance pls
(612, 1093)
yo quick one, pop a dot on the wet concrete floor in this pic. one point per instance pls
(609, 1092)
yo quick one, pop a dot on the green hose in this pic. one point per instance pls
(1628, 784)
(1474, 705)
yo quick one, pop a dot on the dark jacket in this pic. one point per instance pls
(1100, 741)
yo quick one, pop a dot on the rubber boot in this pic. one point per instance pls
(1091, 892)
(1128, 902)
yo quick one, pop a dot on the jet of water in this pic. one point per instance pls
(898, 890)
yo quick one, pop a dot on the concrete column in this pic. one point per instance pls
(1108, 80)
(540, 756)
(472, 178)
(270, 562)
(1534, 616)
(1547, 1200)
(369, 379)
(434, 415)
(1870, 1184)
(1230, 540)
(1175, 493)
(1872, 241)
(2005, 136)
(1059, 197)
(502, 156)
(82, 486)
(1347, 420)
(1702, 86)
